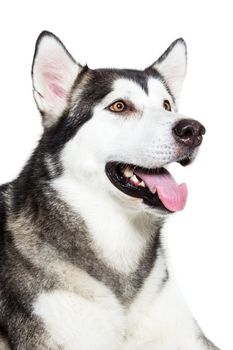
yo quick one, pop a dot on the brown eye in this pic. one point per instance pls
(118, 106)
(167, 106)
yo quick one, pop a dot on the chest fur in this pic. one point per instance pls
(90, 316)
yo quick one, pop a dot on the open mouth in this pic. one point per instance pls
(156, 187)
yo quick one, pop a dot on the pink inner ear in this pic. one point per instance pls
(58, 90)
(53, 83)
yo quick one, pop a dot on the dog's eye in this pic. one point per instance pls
(167, 106)
(118, 106)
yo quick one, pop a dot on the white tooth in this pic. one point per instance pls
(134, 179)
(128, 172)
(142, 184)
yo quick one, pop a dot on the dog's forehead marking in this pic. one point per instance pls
(126, 89)
(128, 85)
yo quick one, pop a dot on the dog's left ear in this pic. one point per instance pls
(53, 73)
(172, 66)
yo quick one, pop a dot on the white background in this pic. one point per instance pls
(133, 34)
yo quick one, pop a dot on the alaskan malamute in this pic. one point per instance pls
(82, 260)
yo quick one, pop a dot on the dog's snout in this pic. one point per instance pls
(189, 132)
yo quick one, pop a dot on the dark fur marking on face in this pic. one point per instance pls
(99, 84)
(136, 76)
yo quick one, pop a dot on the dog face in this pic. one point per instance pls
(116, 130)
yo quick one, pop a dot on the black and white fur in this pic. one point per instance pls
(82, 264)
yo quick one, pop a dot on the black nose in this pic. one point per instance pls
(189, 132)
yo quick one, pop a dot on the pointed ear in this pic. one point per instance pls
(172, 66)
(53, 73)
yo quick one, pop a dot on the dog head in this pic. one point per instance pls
(115, 130)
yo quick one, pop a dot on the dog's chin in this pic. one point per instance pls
(136, 194)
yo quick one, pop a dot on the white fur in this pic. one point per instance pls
(155, 320)
(80, 324)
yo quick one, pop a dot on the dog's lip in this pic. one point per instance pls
(185, 161)
(159, 190)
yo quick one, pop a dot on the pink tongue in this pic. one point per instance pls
(172, 195)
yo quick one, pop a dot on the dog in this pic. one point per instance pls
(83, 265)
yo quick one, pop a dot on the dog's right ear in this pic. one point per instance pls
(53, 73)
